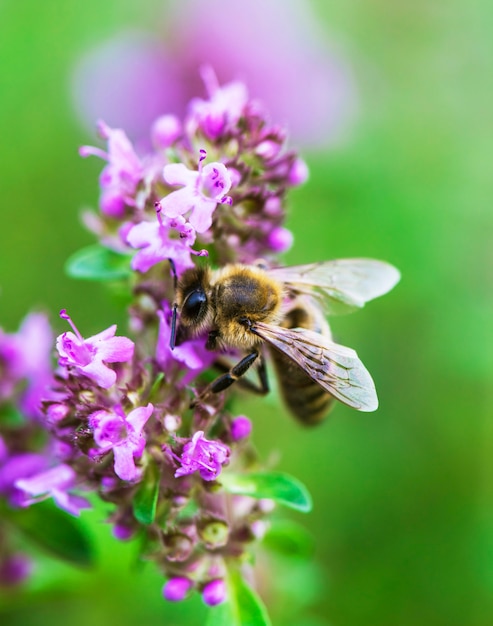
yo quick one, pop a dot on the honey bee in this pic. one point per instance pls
(246, 307)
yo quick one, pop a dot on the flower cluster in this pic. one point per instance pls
(117, 413)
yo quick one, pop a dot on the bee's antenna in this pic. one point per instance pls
(172, 339)
(173, 272)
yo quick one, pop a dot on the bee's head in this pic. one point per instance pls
(192, 298)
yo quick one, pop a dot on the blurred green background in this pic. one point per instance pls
(403, 513)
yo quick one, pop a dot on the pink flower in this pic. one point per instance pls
(119, 179)
(206, 457)
(124, 435)
(169, 238)
(54, 482)
(88, 356)
(221, 111)
(203, 190)
(26, 355)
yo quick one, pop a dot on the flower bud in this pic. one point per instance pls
(241, 427)
(178, 546)
(176, 589)
(213, 532)
(165, 131)
(280, 239)
(214, 592)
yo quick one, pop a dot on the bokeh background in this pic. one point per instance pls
(403, 514)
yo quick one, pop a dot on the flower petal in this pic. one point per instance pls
(179, 174)
(124, 462)
(116, 350)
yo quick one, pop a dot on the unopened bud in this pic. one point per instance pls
(213, 532)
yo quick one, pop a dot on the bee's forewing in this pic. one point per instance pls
(347, 282)
(335, 368)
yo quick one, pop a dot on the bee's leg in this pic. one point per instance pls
(262, 388)
(226, 380)
(262, 376)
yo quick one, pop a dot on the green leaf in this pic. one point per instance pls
(145, 499)
(98, 263)
(277, 486)
(242, 608)
(289, 538)
(54, 531)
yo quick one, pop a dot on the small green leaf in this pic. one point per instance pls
(145, 499)
(54, 531)
(98, 263)
(274, 485)
(242, 608)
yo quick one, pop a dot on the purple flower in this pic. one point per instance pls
(88, 356)
(112, 78)
(169, 238)
(122, 434)
(54, 482)
(25, 355)
(16, 466)
(214, 592)
(177, 588)
(221, 111)
(119, 179)
(206, 457)
(202, 191)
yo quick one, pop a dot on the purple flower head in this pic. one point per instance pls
(202, 191)
(122, 434)
(192, 354)
(88, 356)
(177, 588)
(206, 457)
(168, 238)
(54, 483)
(214, 592)
(120, 178)
(111, 79)
(221, 111)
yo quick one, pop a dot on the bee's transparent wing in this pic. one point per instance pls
(335, 368)
(341, 285)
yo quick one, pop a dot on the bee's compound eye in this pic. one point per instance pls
(194, 305)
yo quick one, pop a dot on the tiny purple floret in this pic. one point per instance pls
(122, 434)
(206, 457)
